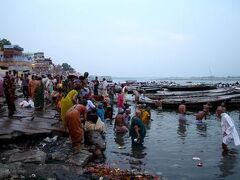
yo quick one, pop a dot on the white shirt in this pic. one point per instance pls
(104, 84)
(228, 127)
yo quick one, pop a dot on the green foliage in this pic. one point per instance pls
(67, 67)
(4, 42)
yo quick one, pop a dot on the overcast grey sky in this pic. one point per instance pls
(129, 37)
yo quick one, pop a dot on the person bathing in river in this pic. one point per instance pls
(137, 129)
(206, 109)
(127, 117)
(199, 117)
(228, 128)
(119, 124)
(145, 114)
(182, 111)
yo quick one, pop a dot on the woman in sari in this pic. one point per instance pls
(67, 102)
(74, 125)
(120, 100)
(145, 116)
(32, 86)
(39, 95)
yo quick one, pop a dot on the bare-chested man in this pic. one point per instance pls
(206, 109)
(119, 125)
(199, 117)
(182, 111)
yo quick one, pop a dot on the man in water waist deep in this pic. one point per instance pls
(228, 128)
(182, 111)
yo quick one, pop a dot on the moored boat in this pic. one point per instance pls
(196, 87)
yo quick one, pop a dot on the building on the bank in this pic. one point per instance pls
(11, 51)
(13, 58)
(40, 64)
(38, 55)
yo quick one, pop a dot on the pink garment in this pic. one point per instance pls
(120, 101)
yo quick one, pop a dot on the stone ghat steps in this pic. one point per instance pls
(28, 122)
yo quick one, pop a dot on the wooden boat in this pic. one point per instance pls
(144, 90)
(196, 102)
(186, 94)
(237, 89)
(197, 87)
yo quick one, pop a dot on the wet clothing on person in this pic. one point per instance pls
(137, 125)
(145, 116)
(74, 125)
(229, 130)
(119, 124)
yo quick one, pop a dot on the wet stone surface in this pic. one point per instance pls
(34, 145)
(79, 159)
(31, 156)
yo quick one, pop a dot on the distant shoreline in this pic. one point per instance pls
(182, 78)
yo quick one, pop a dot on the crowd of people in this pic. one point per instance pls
(84, 107)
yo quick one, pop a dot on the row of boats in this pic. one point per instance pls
(194, 95)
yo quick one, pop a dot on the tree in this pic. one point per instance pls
(4, 42)
(67, 67)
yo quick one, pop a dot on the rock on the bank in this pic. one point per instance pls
(80, 159)
(4, 171)
(31, 156)
(58, 156)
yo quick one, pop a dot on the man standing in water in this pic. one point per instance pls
(182, 111)
(228, 128)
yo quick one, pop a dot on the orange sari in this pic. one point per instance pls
(74, 125)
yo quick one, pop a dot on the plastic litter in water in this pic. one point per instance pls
(196, 158)
(121, 147)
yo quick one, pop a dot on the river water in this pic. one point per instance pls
(169, 148)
